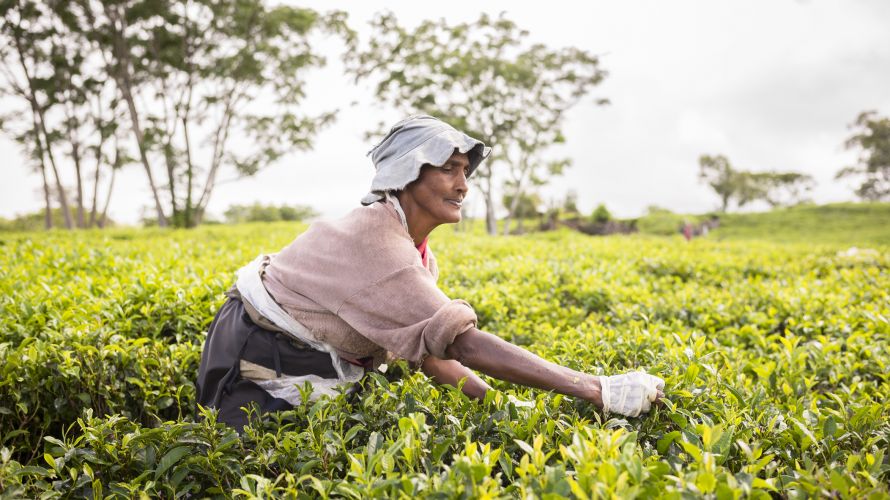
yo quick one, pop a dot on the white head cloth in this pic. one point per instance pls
(412, 143)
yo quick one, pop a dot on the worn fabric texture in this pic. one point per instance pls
(232, 340)
(251, 288)
(412, 143)
(359, 285)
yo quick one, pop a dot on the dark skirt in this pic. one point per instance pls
(233, 337)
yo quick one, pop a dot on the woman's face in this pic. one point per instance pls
(437, 194)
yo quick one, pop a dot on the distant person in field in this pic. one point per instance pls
(346, 295)
(687, 230)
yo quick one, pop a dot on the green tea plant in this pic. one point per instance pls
(776, 360)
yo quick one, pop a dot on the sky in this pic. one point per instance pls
(771, 84)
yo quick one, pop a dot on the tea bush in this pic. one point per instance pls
(775, 356)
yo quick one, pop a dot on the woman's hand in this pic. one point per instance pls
(630, 394)
(450, 372)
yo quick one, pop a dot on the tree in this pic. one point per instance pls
(200, 87)
(601, 214)
(90, 109)
(749, 187)
(719, 174)
(570, 203)
(74, 107)
(483, 79)
(787, 188)
(201, 73)
(527, 206)
(872, 137)
(26, 35)
(744, 187)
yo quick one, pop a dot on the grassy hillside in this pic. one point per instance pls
(850, 224)
(840, 223)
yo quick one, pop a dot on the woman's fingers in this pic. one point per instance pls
(659, 398)
(631, 394)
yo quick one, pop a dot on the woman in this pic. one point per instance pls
(345, 294)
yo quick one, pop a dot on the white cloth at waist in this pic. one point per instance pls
(250, 286)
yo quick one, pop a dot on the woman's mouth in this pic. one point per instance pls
(456, 203)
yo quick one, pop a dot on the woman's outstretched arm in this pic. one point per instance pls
(500, 359)
(449, 371)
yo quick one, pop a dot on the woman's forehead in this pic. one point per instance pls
(459, 159)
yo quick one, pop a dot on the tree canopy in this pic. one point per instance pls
(744, 187)
(483, 78)
(191, 87)
(872, 138)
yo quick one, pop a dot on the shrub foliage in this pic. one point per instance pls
(775, 359)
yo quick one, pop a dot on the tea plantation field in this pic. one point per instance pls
(776, 359)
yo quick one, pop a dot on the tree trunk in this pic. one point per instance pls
(48, 213)
(40, 127)
(75, 154)
(94, 205)
(175, 216)
(189, 212)
(517, 195)
(491, 223)
(63, 198)
(94, 208)
(511, 212)
(122, 78)
(222, 134)
(508, 220)
(143, 156)
(104, 218)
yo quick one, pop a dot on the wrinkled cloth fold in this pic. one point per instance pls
(250, 286)
(359, 285)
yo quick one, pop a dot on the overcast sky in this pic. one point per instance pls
(771, 84)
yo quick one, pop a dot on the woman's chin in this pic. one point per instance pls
(451, 215)
(451, 218)
(456, 216)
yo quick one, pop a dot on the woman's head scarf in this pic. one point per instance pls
(412, 143)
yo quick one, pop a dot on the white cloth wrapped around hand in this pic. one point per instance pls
(630, 394)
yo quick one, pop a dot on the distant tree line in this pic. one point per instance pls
(36, 221)
(235, 214)
(258, 212)
(742, 187)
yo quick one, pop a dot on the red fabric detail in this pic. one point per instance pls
(424, 256)
(366, 362)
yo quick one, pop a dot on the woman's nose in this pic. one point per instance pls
(462, 184)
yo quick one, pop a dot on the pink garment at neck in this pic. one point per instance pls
(424, 256)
